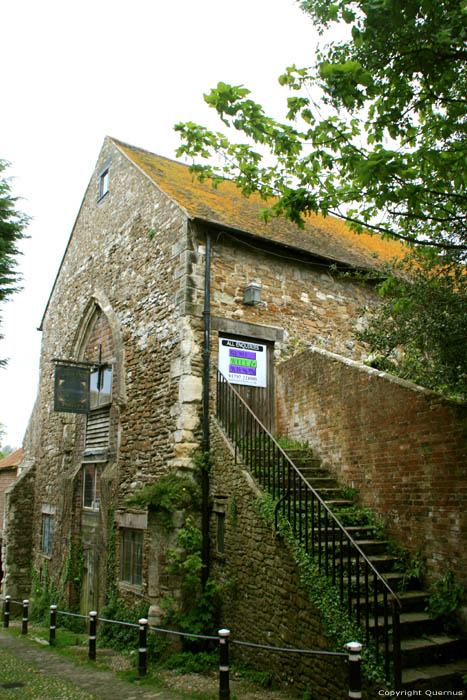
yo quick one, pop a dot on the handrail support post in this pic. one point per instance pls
(143, 650)
(355, 672)
(6, 612)
(92, 635)
(24, 626)
(224, 683)
(52, 625)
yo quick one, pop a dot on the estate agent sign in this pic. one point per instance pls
(242, 362)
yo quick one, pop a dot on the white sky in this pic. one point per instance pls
(74, 72)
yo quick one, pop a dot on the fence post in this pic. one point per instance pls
(92, 635)
(6, 612)
(53, 624)
(355, 676)
(142, 652)
(224, 688)
(396, 645)
(24, 627)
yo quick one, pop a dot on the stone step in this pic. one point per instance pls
(335, 504)
(414, 600)
(393, 579)
(383, 563)
(360, 530)
(368, 546)
(434, 649)
(322, 482)
(412, 624)
(311, 474)
(329, 493)
(303, 456)
(411, 601)
(357, 532)
(444, 677)
(371, 547)
(316, 481)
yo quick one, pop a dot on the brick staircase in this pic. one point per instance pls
(431, 659)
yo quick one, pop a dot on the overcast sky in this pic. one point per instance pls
(74, 72)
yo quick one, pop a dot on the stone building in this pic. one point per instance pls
(158, 268)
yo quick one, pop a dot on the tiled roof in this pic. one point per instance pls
(326, 237)
(11, 460)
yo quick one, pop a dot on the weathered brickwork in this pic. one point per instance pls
(403, 447)
(262, 599)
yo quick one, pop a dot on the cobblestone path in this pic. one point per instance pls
(104, 685)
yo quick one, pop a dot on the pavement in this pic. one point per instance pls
(102, 684)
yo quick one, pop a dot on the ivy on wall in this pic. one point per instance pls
(322, 593)
(47, 592)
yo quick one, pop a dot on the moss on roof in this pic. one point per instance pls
(327, 237)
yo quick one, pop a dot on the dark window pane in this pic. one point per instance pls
(220, 532)
(138, 558)
(88, 486)
(132, 556)
(47, 531)
(126, 556)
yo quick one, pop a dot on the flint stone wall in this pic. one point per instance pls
(111, 264)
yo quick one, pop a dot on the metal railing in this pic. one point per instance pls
(362, 589)
(352, 654)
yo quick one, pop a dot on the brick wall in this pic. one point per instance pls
(403, 447)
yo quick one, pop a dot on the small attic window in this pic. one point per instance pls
(104, 183)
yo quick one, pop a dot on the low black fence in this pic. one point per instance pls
(352, 656)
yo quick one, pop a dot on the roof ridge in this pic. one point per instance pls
(151, 153)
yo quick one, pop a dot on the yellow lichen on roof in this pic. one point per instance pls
(328, 237)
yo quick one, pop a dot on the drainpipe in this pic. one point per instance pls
(205, 446)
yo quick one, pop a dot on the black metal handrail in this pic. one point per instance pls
(362, 589)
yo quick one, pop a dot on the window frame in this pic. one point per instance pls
(131, 556)
(220, 532)
(104, 183)
(47, 529)
(95, 487)
(97, 397)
